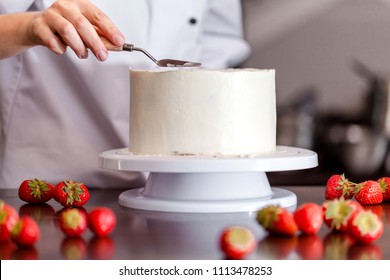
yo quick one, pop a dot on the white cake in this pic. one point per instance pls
(202, 112)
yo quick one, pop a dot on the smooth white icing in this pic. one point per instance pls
(202, 112)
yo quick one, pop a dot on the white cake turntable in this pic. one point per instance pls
(200, 184)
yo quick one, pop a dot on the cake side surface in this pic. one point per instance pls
(203, 112)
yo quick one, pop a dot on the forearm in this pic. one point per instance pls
(78, 24)
(14, 30)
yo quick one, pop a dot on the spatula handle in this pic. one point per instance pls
(110, 46)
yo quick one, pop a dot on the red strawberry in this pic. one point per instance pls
(377, 209)
(366, 227)
(237, 242)
(70, 193)
(384, 183)
(73, 221)
(309, 218)
(338, 186)
(35, 191)
(277, 220)
(338, 213)
(101, 221)
(368, 193)
(26, 232)
(8, 219)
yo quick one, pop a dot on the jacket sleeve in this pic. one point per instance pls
(14, 6)
(223, 43)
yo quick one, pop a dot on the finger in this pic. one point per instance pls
(54, 43)
(87, 33)
(104, 25)
(45, 36)
(67, 33)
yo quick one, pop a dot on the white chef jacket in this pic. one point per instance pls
(57, 112)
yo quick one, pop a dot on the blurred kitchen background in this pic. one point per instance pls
(332, 61)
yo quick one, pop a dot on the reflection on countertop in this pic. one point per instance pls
(144, 235)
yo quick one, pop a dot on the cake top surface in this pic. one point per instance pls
(179, 69)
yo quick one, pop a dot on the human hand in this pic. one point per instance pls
(78, 24)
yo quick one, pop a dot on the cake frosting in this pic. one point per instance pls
(202, 112)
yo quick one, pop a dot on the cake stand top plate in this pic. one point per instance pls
(282, 159)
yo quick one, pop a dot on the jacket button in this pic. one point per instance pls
(192, 21)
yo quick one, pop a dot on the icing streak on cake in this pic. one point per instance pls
(203, 112)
